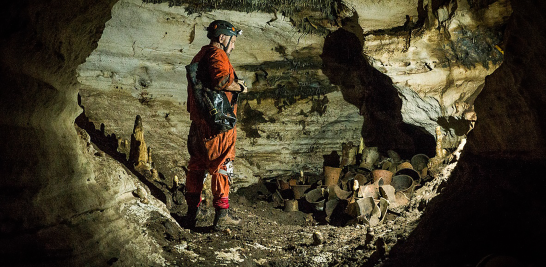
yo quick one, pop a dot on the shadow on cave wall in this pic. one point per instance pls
(372, 92)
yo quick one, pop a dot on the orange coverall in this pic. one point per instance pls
(210, 151)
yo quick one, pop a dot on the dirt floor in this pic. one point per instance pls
(268, 235)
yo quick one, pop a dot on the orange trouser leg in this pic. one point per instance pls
(209, 154)
(220, 189)
(194, 186)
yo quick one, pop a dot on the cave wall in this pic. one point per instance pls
(492, 203)
(62, 204)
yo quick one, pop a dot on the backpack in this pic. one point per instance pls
(214, 105)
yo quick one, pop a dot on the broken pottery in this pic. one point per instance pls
(293, 181)
(331, 175)
(329, 207)
(361, 178)
(384, 175)
(368, 211)
(346, 180)
(370, 190)
(283, 184)
(387, 192)
(383, 207)
(334, 191)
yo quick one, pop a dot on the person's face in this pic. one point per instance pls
(224, 39)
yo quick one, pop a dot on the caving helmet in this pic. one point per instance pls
(218, 27)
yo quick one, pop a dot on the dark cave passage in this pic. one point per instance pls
(374, 94)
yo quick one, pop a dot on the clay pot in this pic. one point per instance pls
(419, 162)
(299, 190)
(331, 175)
(410, 172)
(290, 205)
(386, 165)
(384, 175)
(348, 154)
(394, 156)
(316, 199)
(404, 165)
(402, 182)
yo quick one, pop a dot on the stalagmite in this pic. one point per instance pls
(440, 152)
(149, 161)
(176, 181)
(361, 146)
(142, 194)
(120, 145)
(138, 155)
(155, 175)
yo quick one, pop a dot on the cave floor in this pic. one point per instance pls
(269, 236)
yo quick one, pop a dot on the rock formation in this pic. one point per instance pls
(138, 155)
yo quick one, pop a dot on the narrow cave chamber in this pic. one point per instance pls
(72, 195)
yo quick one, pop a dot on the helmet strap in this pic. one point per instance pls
(229, 42)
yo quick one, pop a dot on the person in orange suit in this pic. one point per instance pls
(212, 152)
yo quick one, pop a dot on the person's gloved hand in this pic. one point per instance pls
(242, 84)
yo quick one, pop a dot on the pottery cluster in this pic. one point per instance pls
(361, 191)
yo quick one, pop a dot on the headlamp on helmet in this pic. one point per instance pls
(218, 27)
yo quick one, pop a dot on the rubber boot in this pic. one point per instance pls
(222, 218)
(191, 217)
